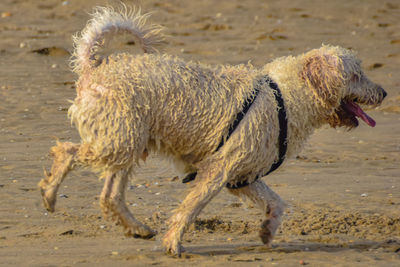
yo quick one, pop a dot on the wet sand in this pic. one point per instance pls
(342, 191)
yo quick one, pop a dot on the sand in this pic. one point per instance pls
(342, 191)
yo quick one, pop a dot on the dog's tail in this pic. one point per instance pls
(105, 20)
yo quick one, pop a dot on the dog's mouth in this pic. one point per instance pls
(355, 111)
(347, 115)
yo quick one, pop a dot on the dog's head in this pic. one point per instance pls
(339, 85)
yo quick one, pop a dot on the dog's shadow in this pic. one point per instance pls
(292, 247)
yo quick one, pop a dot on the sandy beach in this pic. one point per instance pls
(342, 191)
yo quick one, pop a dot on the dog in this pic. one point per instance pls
(224, 126)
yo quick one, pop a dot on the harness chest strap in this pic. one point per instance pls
(282, 139)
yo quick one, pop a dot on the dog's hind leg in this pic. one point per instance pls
(209, 183)
(112, 203)
(64, 155)
(270, 203)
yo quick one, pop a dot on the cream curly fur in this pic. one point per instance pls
(107, 21)
(129, 105)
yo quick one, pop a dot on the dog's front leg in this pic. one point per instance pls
(269, 202)
(208, 184)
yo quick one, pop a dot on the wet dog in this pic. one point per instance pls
(226, 125)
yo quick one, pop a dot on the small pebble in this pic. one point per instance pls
(54, 66)
(157, 193)
(6, 14)
(63, 196)
(156, 216)
(175, 178)
(102, 226)
(22, 45)
(115, 253)
(364, 195)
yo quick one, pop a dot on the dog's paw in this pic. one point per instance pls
(49, 202)
(173, 247)
(143, 234)
(265, 233)
(138, 230)
(48, 196)
(175, 250)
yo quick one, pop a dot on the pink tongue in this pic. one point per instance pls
(357, 111)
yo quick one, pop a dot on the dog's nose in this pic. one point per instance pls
(383, 93)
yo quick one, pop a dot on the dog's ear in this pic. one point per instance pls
(324, 74)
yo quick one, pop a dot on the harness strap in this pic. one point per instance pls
(283, 125)
(239, 116)
(282, 139)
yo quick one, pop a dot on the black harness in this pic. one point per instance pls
(283, 126)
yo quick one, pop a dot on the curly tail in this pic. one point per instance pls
(105, 20)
